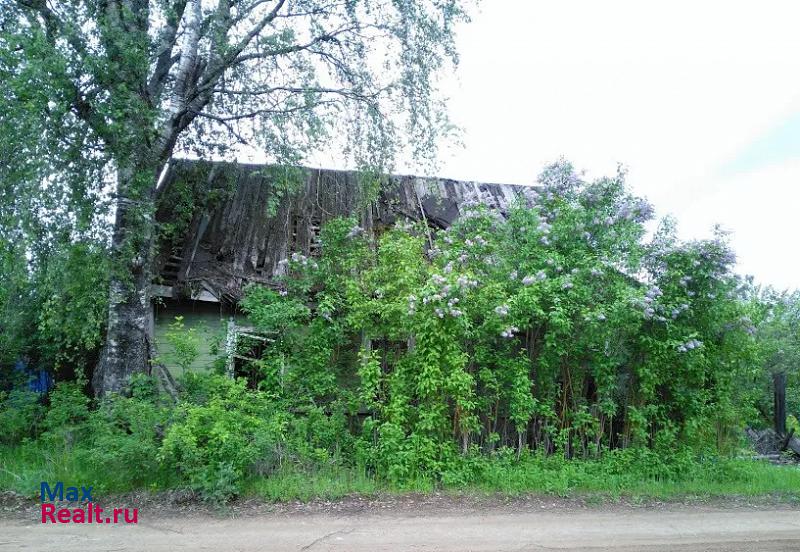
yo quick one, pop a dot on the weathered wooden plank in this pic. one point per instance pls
(243, 241)
(779, 381)
(793, 444)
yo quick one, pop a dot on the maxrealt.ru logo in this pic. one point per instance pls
(90, 514)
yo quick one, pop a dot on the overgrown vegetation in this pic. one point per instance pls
(553, 329)
(224, 440)
(550, 349)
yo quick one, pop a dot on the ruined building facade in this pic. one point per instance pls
(228, 225)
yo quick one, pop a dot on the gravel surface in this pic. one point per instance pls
(443, 523)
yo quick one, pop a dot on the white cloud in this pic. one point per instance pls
(760, 208)
(675, 94)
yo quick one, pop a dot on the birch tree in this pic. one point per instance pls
(139, 81)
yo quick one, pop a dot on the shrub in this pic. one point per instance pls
(66, 422)
(125, 435)
(214, 444)
(185, 344)
(21, 414)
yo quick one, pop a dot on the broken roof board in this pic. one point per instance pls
(242, 235)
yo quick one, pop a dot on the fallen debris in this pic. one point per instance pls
(776, 448)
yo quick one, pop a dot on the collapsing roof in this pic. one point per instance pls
(230, 224)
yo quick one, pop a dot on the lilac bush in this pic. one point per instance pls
(553, 326)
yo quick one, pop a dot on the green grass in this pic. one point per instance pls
(327, 483)
(604, 479)
(760, 479)
(710, 478)
(22, 469)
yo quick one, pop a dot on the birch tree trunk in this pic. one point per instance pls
(127, 348)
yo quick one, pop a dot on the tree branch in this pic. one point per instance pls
(188, 56)
(225, 62)
(227, 124)
(266, 111)
(345, 92)
(164, 58)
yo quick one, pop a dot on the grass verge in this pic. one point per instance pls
(23, 468)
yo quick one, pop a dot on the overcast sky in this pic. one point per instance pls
(699, 100)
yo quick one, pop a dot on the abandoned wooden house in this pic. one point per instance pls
(228, 225)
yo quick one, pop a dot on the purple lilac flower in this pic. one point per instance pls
(654, 291)
(509, 332)
(689, 345)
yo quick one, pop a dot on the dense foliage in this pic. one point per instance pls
(53, 227)
(224, 440)
(555, 328)
(776, 319)
(552, 344)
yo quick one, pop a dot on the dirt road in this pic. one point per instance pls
(681, 528)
